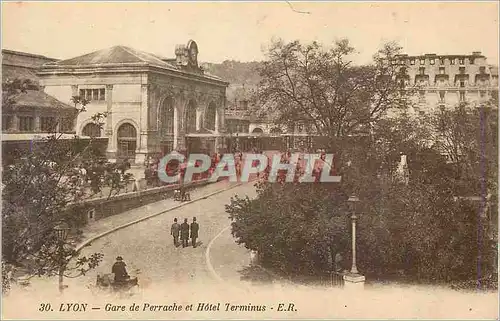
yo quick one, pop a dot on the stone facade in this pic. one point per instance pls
(153, 104)
(444, 81)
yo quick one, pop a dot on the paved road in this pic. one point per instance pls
(148, 250)
(180, 276)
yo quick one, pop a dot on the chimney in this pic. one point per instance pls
(180, 54)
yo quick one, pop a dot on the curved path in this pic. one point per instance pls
(217, 272)
(148, 250)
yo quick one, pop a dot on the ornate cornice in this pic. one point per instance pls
(128, 68)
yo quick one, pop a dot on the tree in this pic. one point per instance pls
(419, 228)
(45, 187)
(323, 88)
(296, 231)
(467, 134)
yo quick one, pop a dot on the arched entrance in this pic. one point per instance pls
(210, 116)
(257, 130)
(166, 119)
(91, 130)
(127, 141)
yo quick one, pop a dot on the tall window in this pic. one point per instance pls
(26, 124)
(432, 61)
(462, 96)
(6, 122)
(210, 116)
(98, 94)
(461, 61)
(441, 96)
(167, 117)
(191, 117)
(441, 70)
(127, 141)
(452, 61)
(461, 70)
(441, 61)
(47, 124)
(422, 95)
(421, 71)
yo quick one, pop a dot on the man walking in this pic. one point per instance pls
(185, 233)
(194, 232)
(174, 231)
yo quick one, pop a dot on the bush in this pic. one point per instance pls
(424, 232)
(419, 230)
(295, 228)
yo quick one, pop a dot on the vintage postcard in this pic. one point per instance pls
(250, 160)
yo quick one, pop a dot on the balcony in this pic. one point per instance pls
(422, 80)
(482, 79)
(441, 77)
(461, 80)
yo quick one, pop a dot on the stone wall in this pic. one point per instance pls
(100, 208)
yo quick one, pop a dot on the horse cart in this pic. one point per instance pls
(106, 282)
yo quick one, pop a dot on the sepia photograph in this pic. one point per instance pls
(180, 160)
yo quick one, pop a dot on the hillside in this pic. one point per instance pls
(235, 72)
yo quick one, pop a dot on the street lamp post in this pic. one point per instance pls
(61, 234)
(353, 280)
(352, 202)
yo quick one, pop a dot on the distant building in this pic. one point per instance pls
(246, 129)
(439, 81)
(444, 81)
(22, 65)
(30, 114)
(154, 104)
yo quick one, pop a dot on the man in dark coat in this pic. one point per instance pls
(185, 233)
(194, 231)
(121, 275)
(174, 231)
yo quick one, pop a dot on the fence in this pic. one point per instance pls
(333, 279)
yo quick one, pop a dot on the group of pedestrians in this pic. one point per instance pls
(185, 231)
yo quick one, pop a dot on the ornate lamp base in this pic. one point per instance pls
(354, 281)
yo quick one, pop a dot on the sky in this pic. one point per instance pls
(241, 30)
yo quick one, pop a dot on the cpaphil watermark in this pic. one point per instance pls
(296, 167)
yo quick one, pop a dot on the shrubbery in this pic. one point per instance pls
(418, 230)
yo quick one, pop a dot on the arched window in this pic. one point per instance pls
(210, 116)
(191, 117)
(166, 117)
(91, 130)
(127, 141)
(257, 130)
